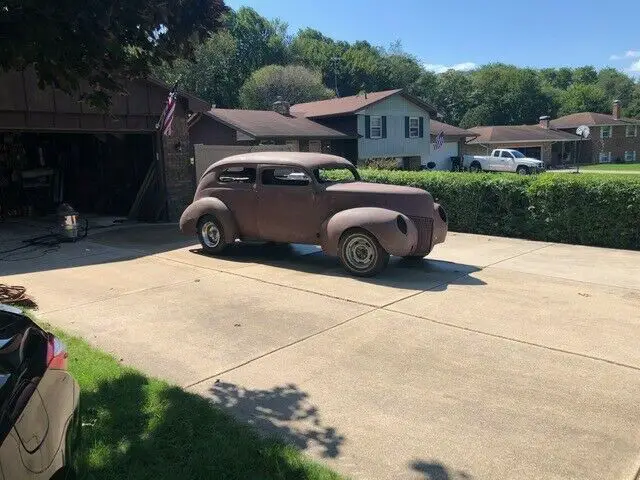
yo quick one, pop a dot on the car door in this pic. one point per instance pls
(506, 162)
(495, 160)
(287, 205)
(235, 185)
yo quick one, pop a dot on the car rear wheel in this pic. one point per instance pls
(361, 254)
(475, 167)
(211, 234)
(522, 170)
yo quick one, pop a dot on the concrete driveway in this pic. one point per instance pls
(495, 358)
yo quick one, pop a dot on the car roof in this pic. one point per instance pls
(298, 159)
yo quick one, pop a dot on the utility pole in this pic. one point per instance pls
(334, 61)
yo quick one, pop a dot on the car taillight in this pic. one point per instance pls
(56, 354)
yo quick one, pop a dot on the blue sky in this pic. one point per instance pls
(464, 33)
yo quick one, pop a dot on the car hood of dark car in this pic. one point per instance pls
(408, 200)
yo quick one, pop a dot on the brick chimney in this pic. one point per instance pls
(616, 110)
(544, 121)
(282, 107)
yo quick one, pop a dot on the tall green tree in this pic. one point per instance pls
(314, 50)
(633, 109)
(399, 70)
(101, 41)
(293, 83)
(585, 75)
(212, 75)
(506, 95)
(453, 95)
(559, 78)
(581, 97)
(616, 85)
(259, 42)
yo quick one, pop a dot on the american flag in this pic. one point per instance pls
(439, 141)
(166, 119)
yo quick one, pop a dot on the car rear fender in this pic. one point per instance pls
(386, 225)
(213, 206)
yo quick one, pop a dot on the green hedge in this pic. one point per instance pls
(587, 209)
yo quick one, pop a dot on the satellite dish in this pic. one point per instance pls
(583, 131)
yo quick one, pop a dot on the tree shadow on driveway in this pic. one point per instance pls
(140, 428)
(438, 471)
(273, 412)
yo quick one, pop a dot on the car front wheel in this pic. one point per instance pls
(522, 170)
(211, 234)
(361, 254)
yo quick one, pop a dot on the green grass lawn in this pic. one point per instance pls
(136, 427)
(613, 167)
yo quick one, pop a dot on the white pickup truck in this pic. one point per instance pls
(503, 160)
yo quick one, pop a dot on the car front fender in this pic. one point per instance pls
(213, 206)
(386, 225)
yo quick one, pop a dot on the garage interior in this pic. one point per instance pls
(96, 173)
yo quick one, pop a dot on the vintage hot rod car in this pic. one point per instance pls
(292, 197)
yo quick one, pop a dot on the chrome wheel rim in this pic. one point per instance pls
(360, 252)
(210, 234)
(522, 171)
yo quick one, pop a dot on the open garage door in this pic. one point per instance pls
(96, 173)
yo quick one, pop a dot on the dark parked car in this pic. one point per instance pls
(291, 197)
(39, 417)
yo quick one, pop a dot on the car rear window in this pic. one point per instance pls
(237, 175)
(285, 176)
(335, 174)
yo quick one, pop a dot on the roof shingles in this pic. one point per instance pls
(270, 124)
(519, 133)
(590, 119)
(351, 104)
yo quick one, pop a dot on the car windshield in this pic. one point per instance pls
(336, 174)
(517, 154)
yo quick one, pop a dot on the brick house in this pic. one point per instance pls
(553, 147)
(612, 137)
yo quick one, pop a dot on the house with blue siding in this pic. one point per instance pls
(388, 124)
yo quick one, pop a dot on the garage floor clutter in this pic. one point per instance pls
(494, 358)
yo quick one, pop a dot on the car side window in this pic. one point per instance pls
(506, 154)
(237, 175)
(285, 176)
(497, 153)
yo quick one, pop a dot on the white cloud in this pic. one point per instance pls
(461, 67)
(635, 67)
(627, 54)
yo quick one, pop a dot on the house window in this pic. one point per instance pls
(605, 132)
(630, 156)
(414, 127)
(631, 131)
(293, 145)
(315, 146)
(375, 127)
(605, 157)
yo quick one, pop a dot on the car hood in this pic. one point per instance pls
(408, 200)
(534, 162)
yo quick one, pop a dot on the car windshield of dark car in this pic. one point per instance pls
(337, 174)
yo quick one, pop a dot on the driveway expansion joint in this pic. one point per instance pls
(517, 340)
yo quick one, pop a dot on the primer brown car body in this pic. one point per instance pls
(281, 197)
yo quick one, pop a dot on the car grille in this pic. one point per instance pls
(425, 233)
